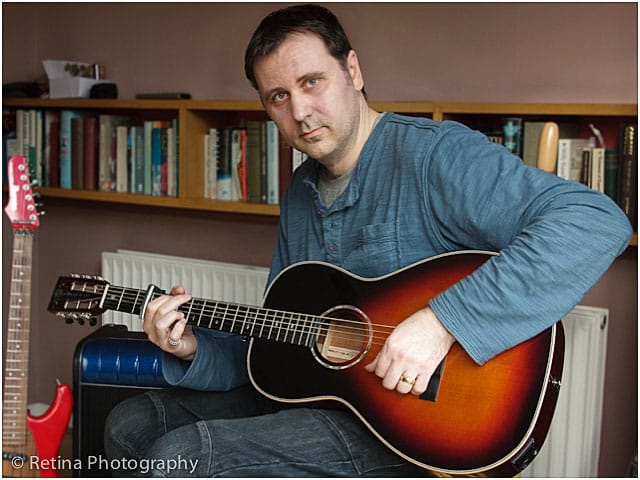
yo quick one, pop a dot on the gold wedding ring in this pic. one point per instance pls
(409, 381)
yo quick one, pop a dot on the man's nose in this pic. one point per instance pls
(300, 107)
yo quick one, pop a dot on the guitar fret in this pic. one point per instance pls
(297, 329)
(253, 325)
(262, 326)
(135, 302)
(233, 322)
(204, 303)
(120, 299)
(189, 307)
(213, 314)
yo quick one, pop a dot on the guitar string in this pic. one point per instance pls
(134, 297)
(212, 305)
(268, 316)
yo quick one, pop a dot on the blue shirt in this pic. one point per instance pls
(422, 188)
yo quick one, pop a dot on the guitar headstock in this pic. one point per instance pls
(78, 297)
(21, 208)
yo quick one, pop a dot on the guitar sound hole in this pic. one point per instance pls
(343, 338)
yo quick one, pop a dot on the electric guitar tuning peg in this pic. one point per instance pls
(93, 321)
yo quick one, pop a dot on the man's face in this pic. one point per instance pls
(312, 98)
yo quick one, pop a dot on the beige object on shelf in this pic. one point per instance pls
(548, 147)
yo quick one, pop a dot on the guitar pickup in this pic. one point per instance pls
(431, 393)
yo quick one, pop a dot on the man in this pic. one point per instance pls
(379, 192)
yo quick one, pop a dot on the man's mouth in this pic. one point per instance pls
(312, 134)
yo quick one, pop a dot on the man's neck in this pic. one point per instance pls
(368, 119)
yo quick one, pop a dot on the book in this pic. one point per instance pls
(107, 125)
(570, 158)
(596, 178)
(159, 158)
(172, 160)
(512, 135)
(530, 142)
(51, 151)
(224, 171)
(122, 159)
(628, 172)
(285, 166)
(136, 153)
(211, 154)
(272, 159)
(66, 116)
(611, 173)
(77, 153)
(254, 160)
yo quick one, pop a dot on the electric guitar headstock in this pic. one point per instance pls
(78, 298)
(22, 208)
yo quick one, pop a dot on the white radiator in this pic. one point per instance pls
(226, 282)
(572, 448)
(573, 444)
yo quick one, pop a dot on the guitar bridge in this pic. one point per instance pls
(431, 393)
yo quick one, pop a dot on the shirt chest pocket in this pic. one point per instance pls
(375, 251)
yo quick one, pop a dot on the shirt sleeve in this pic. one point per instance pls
(220, 363)
(555, 239)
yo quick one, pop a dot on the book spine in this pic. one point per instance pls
(77, 153)
(90, 153)
(65, 147)
(224, 166)
(148, 181)
(628, 171)
(273, 163)
(121, 159)
(156, 161)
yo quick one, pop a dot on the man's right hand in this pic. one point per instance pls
(166, 327)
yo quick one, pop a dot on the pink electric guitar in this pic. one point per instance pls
(29, 444)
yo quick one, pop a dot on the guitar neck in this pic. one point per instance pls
(16, 378)
(243, 320)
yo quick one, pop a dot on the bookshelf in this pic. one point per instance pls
(196, 117)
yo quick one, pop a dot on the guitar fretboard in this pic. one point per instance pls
(14, 408)
(244, 320)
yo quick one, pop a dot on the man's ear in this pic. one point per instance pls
(353, 68)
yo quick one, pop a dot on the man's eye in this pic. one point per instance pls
(279, 97)
(312, 82)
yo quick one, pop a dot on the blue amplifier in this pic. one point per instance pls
(110, 365)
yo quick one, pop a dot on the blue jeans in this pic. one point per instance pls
(179, 432)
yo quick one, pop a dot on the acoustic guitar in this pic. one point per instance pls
(320, 325)
(29, 444)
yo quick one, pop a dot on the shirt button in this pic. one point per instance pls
(333, 247)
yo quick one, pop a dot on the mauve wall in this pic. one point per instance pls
(552, 52)
(487, 52)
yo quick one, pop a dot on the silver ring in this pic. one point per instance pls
(174, 343)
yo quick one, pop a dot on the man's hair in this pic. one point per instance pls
(276, 26)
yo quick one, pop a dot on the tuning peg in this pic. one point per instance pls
(93, 321)
(68, 320)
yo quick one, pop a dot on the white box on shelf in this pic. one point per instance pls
(71, 87)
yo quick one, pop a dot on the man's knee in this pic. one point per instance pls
(131, 427)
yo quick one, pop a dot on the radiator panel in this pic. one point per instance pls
(227, 282)
(572, 448)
